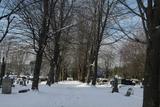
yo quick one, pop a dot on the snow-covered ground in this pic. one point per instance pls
(72, 94)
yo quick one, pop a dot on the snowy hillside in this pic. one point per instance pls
(72, 94)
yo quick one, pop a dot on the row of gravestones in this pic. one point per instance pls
(129, 92)
(7, 84)
(22, 82)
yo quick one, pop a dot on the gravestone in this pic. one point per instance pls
(6, 86)
(115, 85)
(24, 79)
(21, 82)
(129, 92)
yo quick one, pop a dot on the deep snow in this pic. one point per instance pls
(72, 94)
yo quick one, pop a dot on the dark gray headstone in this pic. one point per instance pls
(6, 86)
(21, 82)
(115, 85)
(129, 92)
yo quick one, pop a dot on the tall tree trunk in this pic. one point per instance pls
(152, 72)
(37, 69)
(58, 68)
(53, 70)
(91, 61)
(56, 57)
(89, 74)
(51, 75)
(84, 73)
(65, 75)
(95, 68)
(3, 67)
(41, 43)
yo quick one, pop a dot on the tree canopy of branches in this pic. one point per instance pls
(61, 29)
(132, 59)
(149, 12)
(35, 19)
(7, 16)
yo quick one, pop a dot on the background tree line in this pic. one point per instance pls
(70, 35)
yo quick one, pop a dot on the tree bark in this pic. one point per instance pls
(58, 68)
(51, 74)
(90, 70)
(37, 69)
(95, 69)
(84, 73)
(152, 72)
(3, 67)
(89, 74)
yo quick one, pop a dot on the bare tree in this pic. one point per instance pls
(149, 12)
(95, 17)
(107, 57)
(18, 56)
(42, 43)
(132, 56)
(62, 11)
(101, 20)
(36, 24)
(5, 48)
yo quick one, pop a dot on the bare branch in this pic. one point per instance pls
(132, 10)
(126, 34)
(140, 6)
(115, 41)
(7, 28)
